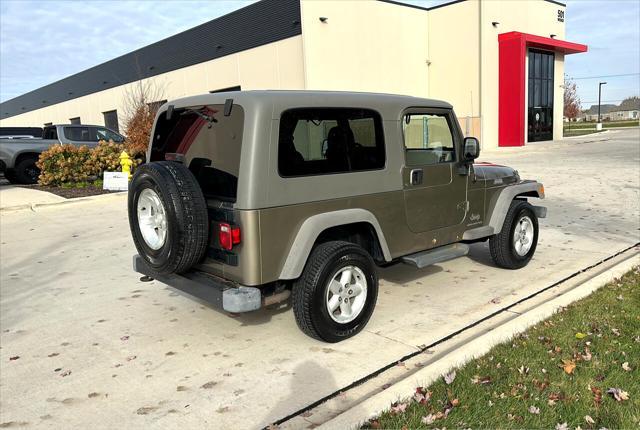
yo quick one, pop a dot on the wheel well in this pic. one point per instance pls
(527, 194)
(26, 155)
(359, 233)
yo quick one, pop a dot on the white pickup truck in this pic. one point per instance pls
(18, 157)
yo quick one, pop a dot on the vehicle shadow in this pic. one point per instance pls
(400, 273)
(479, 252)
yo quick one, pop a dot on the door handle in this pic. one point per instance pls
(416, 177)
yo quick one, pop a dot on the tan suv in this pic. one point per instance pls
(249, 197)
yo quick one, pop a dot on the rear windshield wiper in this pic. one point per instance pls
(204, 116)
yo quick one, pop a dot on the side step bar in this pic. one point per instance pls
(437, 255)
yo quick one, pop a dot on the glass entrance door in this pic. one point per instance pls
(540, 104)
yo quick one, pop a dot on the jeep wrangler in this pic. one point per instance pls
(250, 197)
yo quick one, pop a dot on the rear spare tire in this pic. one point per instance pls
(168, 216)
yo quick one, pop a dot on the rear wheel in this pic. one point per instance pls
(337, 292)
(516, 243)
(168, 216)
(26, 171)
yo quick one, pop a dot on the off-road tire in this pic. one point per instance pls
(186, 215)
(10, 176)
(26, 171)
(501, 245)
(308, 295)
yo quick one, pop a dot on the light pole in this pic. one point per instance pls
(599, 124)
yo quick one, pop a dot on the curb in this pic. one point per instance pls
(35, 206)
(374, 405)
(586, 136)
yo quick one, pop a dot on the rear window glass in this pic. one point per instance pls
(211, 150)
(320, 141)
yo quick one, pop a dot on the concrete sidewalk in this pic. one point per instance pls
(14, 197)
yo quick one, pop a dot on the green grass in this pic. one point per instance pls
(83, 184)
(605, 125)
(528, 371)
(579, 132)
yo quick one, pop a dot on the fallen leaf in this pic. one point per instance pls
(534, 410)
(15, 357)
(455, 402)
(523, 370)
(587, 355)
(580, 335)
(450, 377)
(618, 394)
(421, 395)
(385, 386)
(496, 300)
(375, 424)
(615, 331)
(568, 366)
(124, 338)
(589, 420)
(398, 408)
(65, 373)
(429, 419)
(562, 426)
(626, 367)
(131, 358)
(597, 395)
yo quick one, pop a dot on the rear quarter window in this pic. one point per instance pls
(321, 141)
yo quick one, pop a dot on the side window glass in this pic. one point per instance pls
(330, 140)
(105, 134)
(428, 139)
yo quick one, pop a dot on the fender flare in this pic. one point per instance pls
(506, 196)
(500, 205)
(311, 229)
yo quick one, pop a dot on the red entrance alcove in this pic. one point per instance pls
(512, 78)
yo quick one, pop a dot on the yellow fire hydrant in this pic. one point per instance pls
(126, 162)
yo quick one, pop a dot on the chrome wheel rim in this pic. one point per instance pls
(346, 294)
(152, 219)
(523, 236)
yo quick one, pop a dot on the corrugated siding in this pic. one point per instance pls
(263, 22)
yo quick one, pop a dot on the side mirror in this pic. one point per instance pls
(471, 149)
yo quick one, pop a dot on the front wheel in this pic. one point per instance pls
(337, 292)
(516, 243)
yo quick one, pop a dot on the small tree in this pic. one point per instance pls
(140, 107)
(572, 105)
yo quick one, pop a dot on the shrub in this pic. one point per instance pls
(106, 157)
(64, 163)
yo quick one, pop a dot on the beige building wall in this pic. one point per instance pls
(276, 65)
(365, 45)
(537, 17)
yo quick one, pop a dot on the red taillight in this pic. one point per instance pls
(228, 236)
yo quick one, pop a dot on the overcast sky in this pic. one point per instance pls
(44, 41)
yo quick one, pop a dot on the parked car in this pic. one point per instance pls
(249, 197)
(18, 157)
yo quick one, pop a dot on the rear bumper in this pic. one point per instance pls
(213, 290)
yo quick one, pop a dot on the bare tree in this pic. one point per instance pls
(572, 105)
(140, 105)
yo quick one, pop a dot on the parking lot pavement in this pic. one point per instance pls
(85, 343)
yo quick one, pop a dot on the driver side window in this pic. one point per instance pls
(427, 139)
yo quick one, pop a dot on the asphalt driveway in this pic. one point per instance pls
(84, 343)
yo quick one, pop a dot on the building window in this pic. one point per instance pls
(111, 120)
(226, 90)
(323, 141)
(428, 139)
(75, 120)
